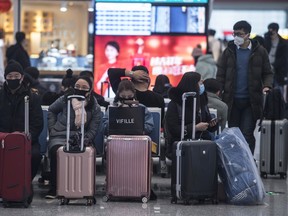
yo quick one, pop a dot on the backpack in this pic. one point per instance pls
(274, 105)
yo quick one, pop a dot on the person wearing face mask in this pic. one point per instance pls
(277, 47)
(12, 110)
(205, 125)
(57, 123)
(126, 96)
(245, 74)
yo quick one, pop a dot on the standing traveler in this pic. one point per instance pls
(245, 74)
(17, 51)
(277, 47)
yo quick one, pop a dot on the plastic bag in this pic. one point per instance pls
(237, 169)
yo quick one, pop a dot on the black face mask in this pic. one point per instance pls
(80, 92)
(13, 84)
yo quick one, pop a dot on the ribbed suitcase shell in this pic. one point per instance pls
(16, 168)
(76, 174)
(273, 147)
(128, 173)
(196, 175)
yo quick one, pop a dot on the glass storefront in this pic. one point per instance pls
(57, 38)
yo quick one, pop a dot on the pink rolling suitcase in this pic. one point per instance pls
(128, 173)
(15, 175)
(76, 169)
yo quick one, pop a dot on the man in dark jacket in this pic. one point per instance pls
(17, 51)
(277, 47)
(12, 110)
(245, 74)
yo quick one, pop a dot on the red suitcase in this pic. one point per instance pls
(128, 173)
(76, 169)
(16, 165)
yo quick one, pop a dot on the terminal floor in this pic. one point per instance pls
(276, 203)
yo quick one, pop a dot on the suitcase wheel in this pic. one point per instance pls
(89, 201)
(105, 198)
(283, 175)
(264, 175)
(174, 200)
(63, 201)
(5, 204)
(26, 204)
(144, 199)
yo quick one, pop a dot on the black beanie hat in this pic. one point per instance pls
(87, 79)
(13, 66)
(33, 72)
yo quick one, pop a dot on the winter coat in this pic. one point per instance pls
(57, 121)
(260, 75)
(12, 112)
(206, 66)
(19, 54)
(173, 121)
(148, 124)
(281, 59)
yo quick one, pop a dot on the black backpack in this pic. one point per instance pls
(274, 107)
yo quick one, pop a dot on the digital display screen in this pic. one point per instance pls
(158, 34)
(145, 19)
(161, 54)
(158, 1)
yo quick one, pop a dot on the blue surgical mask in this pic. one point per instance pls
(201, 89)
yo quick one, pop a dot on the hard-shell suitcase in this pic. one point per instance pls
(76, 169)
(128, 173)
(16, 165)
(194, 165)
(273, 148)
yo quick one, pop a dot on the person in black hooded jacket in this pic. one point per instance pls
(12, 110)
(190, 82)
(17, 51)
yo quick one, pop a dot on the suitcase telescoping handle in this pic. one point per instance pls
(82, 99)
(26, 115)
(185, 95)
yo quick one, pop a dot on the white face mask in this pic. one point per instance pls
(238, 41)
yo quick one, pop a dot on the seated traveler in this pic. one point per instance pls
(125, 96)
(12, 109)
(190, 82)
(57, 123)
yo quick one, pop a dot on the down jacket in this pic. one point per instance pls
(57, 121)
(260, 75)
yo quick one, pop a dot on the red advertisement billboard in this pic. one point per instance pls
(161, 54)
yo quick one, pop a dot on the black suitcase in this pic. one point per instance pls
(194, 166)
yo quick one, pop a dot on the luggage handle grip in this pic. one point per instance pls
(82, 99)
(184, 97)
(26, 115)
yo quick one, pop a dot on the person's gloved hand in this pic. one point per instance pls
(87, 142)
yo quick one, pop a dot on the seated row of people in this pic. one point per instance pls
(12, 103)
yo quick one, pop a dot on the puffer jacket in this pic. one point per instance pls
(57, 121)
(260, 75)
(206, 66)
(12, 112)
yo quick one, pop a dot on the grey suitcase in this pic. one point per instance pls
(273, 148)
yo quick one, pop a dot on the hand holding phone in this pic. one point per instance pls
(213, 122)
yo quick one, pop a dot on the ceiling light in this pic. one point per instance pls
(63, 7)
(91, 6)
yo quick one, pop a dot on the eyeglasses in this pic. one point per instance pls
(11, 76)
(84, 87)
(239, 34)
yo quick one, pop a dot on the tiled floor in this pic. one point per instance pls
(276, 203)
